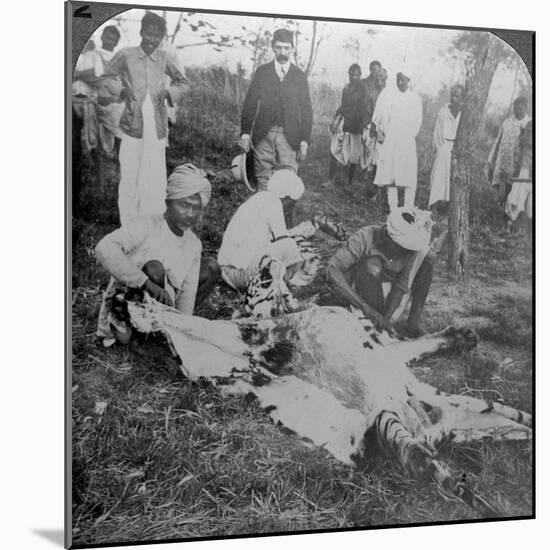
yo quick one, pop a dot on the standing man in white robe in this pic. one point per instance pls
(444, 136)
(397, 118)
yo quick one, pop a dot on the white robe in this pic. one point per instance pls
(143, 180)
(399, 116)
(445, 129)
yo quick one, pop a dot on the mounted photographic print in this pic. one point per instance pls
(301, 274)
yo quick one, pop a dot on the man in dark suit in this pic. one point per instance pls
(277, 113)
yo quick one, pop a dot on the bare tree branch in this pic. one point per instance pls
(177, 28)
(311, 49)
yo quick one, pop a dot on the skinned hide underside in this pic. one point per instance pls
(326, 375)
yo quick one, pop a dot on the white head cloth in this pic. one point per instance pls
(410, 229)
(186, 180)
(405, 69)
(286, 183)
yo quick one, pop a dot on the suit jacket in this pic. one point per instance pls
(289, 98)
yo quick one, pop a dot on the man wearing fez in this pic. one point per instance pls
(276, 117)
(142, 70)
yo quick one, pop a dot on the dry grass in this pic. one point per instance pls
(156, 456)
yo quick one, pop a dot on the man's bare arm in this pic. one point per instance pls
(339, 284)
(392, 303)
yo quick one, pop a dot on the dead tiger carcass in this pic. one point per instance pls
(329, 376)
(267, 294)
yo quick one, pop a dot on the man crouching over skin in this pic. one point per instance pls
(159, 254)
(398, 253)
(258, 228)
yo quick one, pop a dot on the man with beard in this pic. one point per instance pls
(277, 116)
(158, 254)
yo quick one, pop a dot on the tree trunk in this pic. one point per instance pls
(311, 60)
(177, 27)
(478, 83)
(296, 39)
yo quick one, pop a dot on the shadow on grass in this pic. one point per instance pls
(511, 321)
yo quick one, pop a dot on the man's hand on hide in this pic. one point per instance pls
(158, 293)
(380, 322)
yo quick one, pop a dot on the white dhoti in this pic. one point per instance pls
(520, 200)
(398, 116)
(345, 147)
(348, 149)
(371, 151)
(398, 164)
(142, 188)
(441, 174)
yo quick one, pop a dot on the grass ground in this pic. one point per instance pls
(156, 456)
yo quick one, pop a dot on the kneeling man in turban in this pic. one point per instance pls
(397, 253)
(158, 254)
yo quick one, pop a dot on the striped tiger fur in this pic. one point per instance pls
(395, 441)
(417, 457)
(267, 294)
(336, 381)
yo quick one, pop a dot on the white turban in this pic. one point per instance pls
(286, 183)
(405, 70)
(186, 180)
(414, 234)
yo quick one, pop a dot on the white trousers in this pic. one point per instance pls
(393, 198)
(142, 188)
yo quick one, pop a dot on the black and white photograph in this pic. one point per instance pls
(301, 274)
